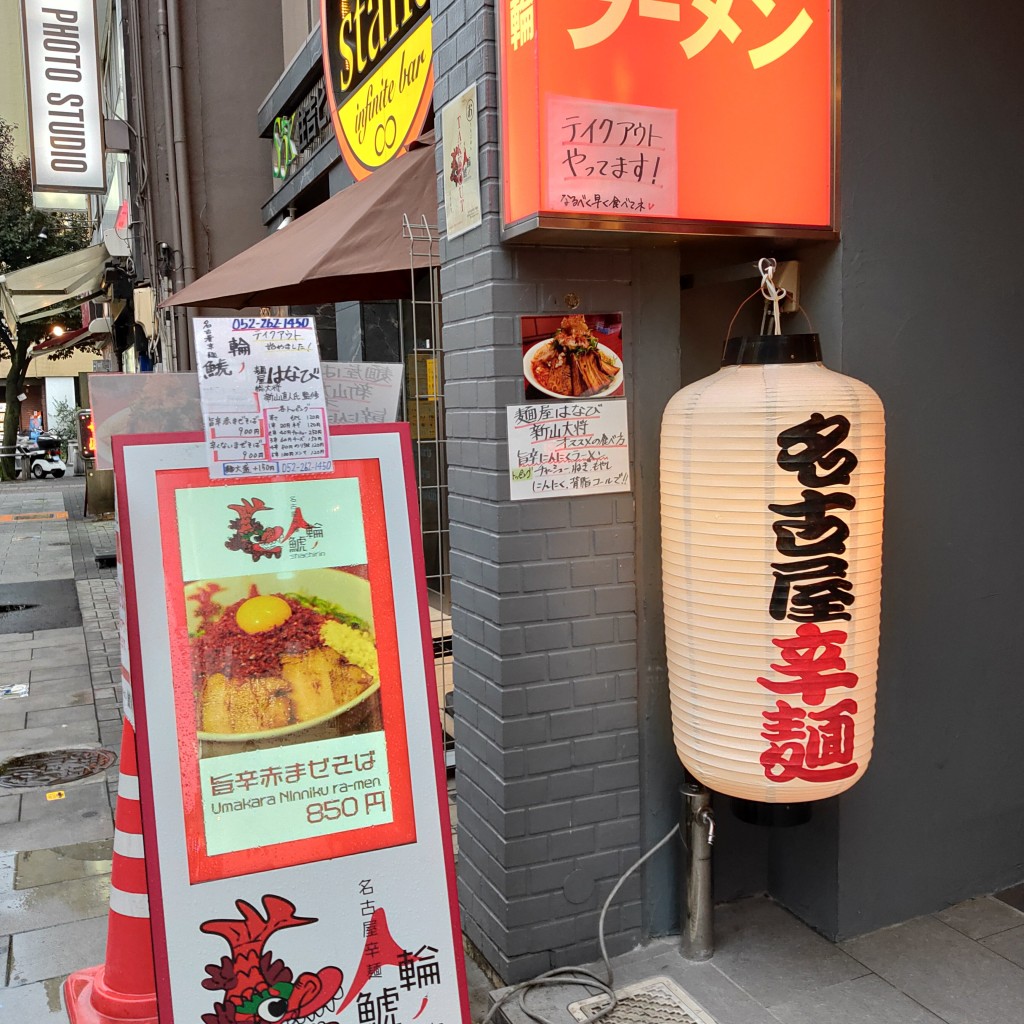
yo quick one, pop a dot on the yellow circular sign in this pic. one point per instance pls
(379, 68)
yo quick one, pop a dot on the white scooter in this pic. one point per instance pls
(43, 456)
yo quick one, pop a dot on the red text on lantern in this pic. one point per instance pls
(813, 746)
(813, 661)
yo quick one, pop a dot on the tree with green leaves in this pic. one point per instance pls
(63, 424)
(27, 236)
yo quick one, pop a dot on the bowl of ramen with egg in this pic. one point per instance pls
(573, 363)
(278, 654)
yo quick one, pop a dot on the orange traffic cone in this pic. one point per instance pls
(122, 990)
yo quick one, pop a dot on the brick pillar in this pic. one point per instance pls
(543, 596)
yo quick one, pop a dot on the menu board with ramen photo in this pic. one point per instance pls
(291, 774)
(573, 356)
(287, 690)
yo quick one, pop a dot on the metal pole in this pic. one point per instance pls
(182, 347)
(697, 824)
(180, 141)
(179, 158)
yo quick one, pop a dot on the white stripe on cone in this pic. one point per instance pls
(128, 844)
(128, 786)
(129, 904)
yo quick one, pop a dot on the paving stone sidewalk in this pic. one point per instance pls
(59, 691)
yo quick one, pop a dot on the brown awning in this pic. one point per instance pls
(349, 247)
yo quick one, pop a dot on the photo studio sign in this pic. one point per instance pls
(64, 102)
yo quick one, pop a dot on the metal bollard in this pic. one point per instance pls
(697, 825)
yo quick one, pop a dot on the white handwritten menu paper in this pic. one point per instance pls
(362, 392)
(613, 158)
(563, 449)
(262, 394)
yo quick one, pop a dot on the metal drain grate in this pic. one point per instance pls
(52, 767)
(655, 1001)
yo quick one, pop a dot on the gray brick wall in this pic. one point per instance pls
(543, 596)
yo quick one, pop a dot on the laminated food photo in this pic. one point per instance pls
(572, 356)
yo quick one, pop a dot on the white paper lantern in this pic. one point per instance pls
(771, 508)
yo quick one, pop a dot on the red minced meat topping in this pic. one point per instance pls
(226, 648)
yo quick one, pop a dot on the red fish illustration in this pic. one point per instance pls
(260, 990)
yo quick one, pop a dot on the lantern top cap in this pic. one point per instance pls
(772, 348)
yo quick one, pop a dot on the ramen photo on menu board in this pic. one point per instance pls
(275, 656)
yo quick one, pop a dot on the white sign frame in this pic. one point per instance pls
(414, 882)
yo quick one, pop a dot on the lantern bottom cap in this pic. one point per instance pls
(753, 812)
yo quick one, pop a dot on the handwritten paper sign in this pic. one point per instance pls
(262, 396)
(559, 449)
(362, 392)
(611, 157)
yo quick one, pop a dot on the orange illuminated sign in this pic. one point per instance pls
(87, 434)
(683, 116)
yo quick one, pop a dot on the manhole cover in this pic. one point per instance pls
(51, 767)
(657, 999)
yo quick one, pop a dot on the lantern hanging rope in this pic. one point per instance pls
(773, 295)
(771, 504)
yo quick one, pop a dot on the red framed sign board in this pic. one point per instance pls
(295, 809)
(677, 116)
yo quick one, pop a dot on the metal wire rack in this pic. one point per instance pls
(423, 408)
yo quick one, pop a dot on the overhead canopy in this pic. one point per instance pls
(349, 247)
(50, 288)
